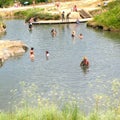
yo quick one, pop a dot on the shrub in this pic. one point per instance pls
(111, 18)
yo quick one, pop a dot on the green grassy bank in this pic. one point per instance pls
(38, 13)
(110, 17)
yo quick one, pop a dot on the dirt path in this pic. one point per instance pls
(87, 4)
(52, 8)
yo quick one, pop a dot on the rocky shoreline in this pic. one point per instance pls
(97, 26)
(2, 27)
(10, 48)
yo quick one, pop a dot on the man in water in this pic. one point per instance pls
(85, 62)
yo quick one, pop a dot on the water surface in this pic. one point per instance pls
(63, 67)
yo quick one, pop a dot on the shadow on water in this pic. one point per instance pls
(114, 36)
(85, 69)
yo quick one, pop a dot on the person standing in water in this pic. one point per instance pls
(81, 36)
(85, 62)
(30, 23)
(32, 53)
(63, 16)
(53, 32)
(47, 55)
(73, 34)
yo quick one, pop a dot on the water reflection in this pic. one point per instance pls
(113, 36)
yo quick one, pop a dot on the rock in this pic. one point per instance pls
(10, 49)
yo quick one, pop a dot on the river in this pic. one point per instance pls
(61, 72)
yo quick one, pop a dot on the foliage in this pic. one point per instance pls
(37, 13)
(111, 18)
(28, 12)
(33, 106)
(42, 16)
(113, 4)
(7, 3)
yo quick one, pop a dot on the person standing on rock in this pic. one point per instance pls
(67, 16)
(30, 23)
(63, 16)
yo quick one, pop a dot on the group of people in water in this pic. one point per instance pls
(73, 34)
(32, 56)
(84, 63)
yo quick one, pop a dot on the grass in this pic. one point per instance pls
(24, 13)
(110, 18)
(52, 112)
(38, 13)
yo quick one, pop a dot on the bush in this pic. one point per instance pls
(111, 18)
(6, 3)
(43, 16)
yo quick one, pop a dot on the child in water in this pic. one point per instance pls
(47, 55)
(81, 36)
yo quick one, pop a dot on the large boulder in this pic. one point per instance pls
(11, 48)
